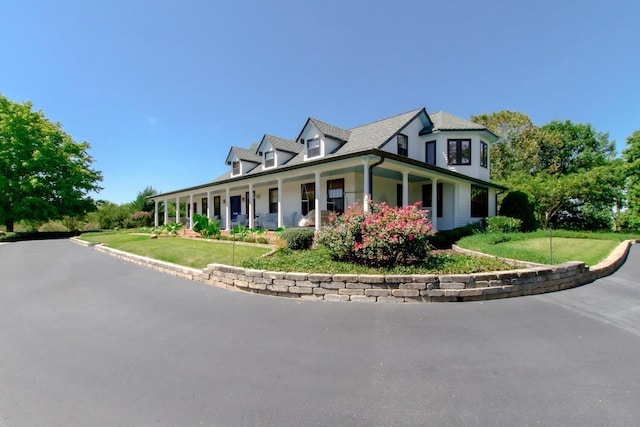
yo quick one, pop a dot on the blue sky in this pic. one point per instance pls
(162, 89)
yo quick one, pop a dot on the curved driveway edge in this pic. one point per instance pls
(391, 288)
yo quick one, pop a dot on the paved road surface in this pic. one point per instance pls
(89, 340)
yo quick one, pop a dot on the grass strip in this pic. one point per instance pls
(590, 248)
(188, 252)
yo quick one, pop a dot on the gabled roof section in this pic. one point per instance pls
(279, 144)
(376, 134)
(326, 129)
(331, 130)
(244, 154)
(445, 121)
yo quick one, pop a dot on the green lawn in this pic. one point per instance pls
(589, 248)
(187, 252)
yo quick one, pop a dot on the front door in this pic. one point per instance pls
(235, 203)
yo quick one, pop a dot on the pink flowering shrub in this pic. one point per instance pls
(382, 237)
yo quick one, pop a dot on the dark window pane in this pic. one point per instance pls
(335, 195)
(403, 145)
(479, 202)
(431, 152)
(269, 159)
(307, 197)
(313, 147)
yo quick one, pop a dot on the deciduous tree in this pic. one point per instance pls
(569, 169)
(44, 173)
(631, 156)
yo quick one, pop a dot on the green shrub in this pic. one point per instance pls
(170, 229)
(380, 237)
(298, 238)
(516, 204)
(205, 226)
(503, 224)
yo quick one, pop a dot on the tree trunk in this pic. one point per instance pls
(9, 224)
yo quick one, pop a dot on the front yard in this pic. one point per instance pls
(188, 252)
(198, 253)
(588, 247)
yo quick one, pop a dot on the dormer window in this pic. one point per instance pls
(235, 168)
(269, 159)
(403, 145)
(313, 147)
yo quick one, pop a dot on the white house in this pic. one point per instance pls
(404, 159)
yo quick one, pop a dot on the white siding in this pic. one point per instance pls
(474, 170)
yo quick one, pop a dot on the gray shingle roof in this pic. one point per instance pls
(331, 130)
(248, 155)
(365, 137)
(282, 144)
(376, 134)
(445, 121)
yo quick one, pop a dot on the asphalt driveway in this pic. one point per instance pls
(89, 340)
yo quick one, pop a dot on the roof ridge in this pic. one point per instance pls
(415, 111)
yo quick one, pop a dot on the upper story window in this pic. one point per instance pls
(430, 152)
(459, 151)
(313, 147)
(403, 145)
(484, 154)
(235, 165)
(269, 159)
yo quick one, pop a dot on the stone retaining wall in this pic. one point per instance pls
(393, 288)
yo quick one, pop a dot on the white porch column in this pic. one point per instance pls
(280, 214)
(190, 211)
(317, 201)
(405, 188)
(434, 204)
(250, 213)
(227, 210)
(177, 209)
(208, 204)
(367, 190)
(166, 211)
(155, 214)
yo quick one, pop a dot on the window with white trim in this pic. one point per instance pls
(235, 165)
(313, 147)
(269, 159)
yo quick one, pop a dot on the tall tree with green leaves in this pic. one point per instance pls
(568, 169)
(631, 156)
(516, 148)
(44, 173)
(141, 203)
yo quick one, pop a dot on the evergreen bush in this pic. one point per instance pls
(516, 204)
(298, 238)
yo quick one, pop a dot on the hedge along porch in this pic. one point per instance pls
(440, 161)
